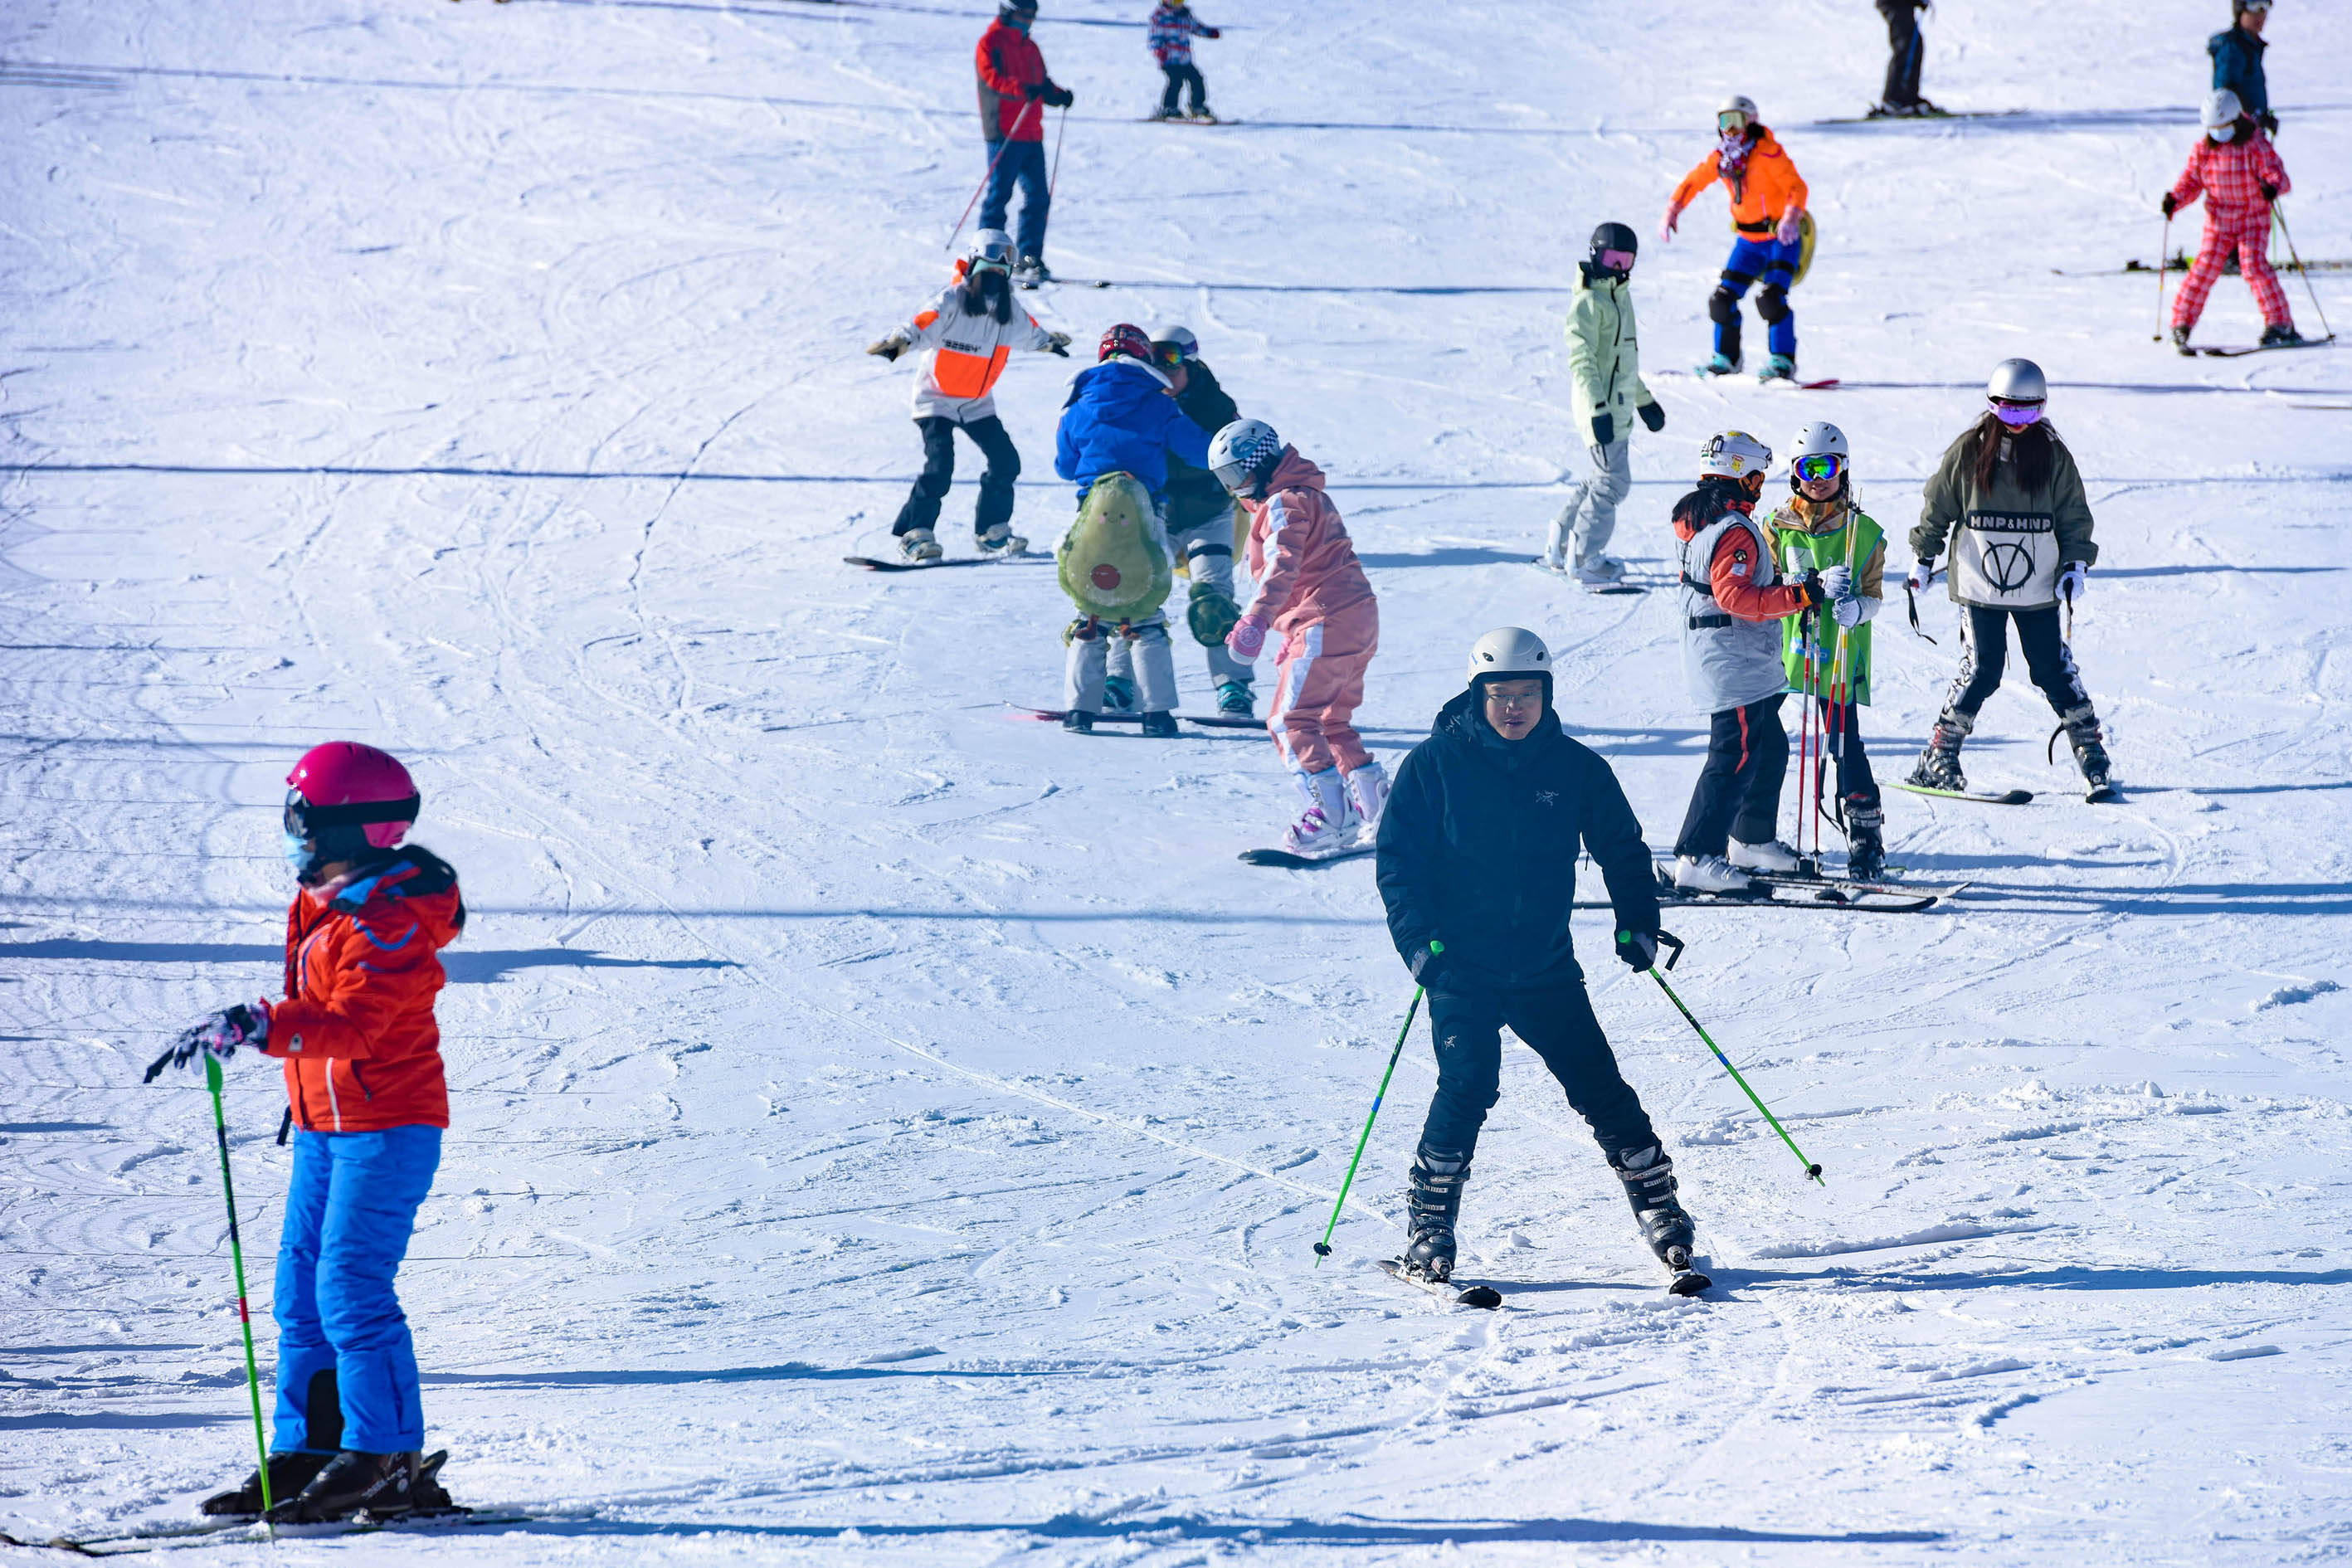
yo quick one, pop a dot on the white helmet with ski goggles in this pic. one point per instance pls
(991, 251)
(1818, 453)
(1173, 345)
(1736, 113)
(2016, 392)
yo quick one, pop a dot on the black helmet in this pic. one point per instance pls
(1613, 236)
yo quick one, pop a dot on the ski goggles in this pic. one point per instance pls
(2016, 415)
(991, 257)
(304, 820)
(1814, 467)
(1731, 122)
(1170, 355)
(1617, 261)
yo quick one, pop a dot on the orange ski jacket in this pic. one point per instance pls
(1764, 191)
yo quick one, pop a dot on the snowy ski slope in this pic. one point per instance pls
(890, 1131)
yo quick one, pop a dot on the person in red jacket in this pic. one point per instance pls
(1015, 93)
(367, 1104)
(2237, 171)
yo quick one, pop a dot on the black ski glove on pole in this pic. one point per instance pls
(1429, 967)
(1637, 949)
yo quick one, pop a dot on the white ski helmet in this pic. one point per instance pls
(2221, 108)
(1243, 455)
(1738, 103)
(1180, 338)
(1733, 455)
(1819, 437)
(990, 248)
(2017, 381)
(1506, 652)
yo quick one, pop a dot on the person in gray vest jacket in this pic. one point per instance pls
(1733, 598)
(2009, 500)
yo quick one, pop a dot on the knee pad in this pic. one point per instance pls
(1772, 304)
(1723, 305)
(1211, 615)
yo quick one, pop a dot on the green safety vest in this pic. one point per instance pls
(1800, 552)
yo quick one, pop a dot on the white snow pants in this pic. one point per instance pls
(1585, 523)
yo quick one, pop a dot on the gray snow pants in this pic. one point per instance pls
(1153, 665)
(1585, 523)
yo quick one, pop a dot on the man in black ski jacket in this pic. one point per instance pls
(1477, 867)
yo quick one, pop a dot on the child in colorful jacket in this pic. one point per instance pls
(1311, 589)
(367, 1105)
(2238, 171)
(1173, 28)
(1768, 210)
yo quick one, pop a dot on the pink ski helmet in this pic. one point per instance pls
(344, 799)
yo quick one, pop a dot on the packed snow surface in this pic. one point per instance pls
(889, 1129)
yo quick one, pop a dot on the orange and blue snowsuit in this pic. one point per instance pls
(1765, 189)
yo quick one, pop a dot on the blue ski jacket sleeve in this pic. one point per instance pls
(1120, 418)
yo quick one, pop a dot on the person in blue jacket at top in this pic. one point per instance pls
(2238, 60)
(1122, 416)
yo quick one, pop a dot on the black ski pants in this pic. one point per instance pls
(1842, 723)
(1557, 1022)
(1905, 52)
(1738, 790)
(923, 508)
(1984, 649)
(1182, 74)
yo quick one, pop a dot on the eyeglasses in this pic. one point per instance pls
(1817, 466)
(1513, 699)
(1730, 120)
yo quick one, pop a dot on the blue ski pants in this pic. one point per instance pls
(1024, 162)
(1772, 263)
(346, 1366)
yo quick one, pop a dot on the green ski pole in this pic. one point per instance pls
(236, 1252)
(1323, 1247)
(1810, 1169)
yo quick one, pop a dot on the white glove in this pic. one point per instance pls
(888, 347)
(1837, 581)
(1852, 610)
(1791, 225)
(2073, 580)
(1922, 573)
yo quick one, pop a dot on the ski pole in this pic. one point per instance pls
(236, 1253)
(1323, 1247)
(1053, 179)
(984, 179)
(2163, 245)
(1810, 1169)
(2279, 218)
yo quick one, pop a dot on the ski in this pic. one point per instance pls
(1602, 589)
(1483, 1296)
(1185, 119)
(2258, 349)
(1688, 1282)
(1826, 887)
(873, 565)
(2105, 795)
(1284, 860)
(1982, 797)
(1211, 720)
(1928, 115)
(209, 1532)
(1793, 384)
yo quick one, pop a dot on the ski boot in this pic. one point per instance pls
(1203, 113)
(1118, 694)
(917, 545)
(290, 1472)
(1774, 857)
(379, 1485)
(1433, 1203)
(1166, 114)
(1079, 722)
(1327, 824)
(1778, 367)
(1940, 763)
(999, 539)
(1601, 572)
(1159, 726)
(1865, 845)
(1719, 365)
(1710, 873)
(1029, 271)
(1236, 700)
(2180, 340)
(1649, 1178)
(2082, 729)
(1367, 794)
(2282, 335)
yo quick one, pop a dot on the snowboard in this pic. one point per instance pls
(873, 563)
(1929, 116)
(1792, 384)
(1485, 1295)
(1187, 120)
(2256, 348)
(1213, 720)
(1982, 797)
(1283, 860)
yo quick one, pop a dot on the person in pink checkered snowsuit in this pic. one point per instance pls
(1172, 30)
(2239, 174)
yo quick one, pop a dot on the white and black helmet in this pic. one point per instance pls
(2220, 107)
(2017, 381)
(1509, 653)
(1243, 455)
(1180, 338)
(1733, 455)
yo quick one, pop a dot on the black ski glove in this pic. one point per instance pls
(1059, 97)
(1211, 33)
(1429, 968)
(1638, 949)
(1036, 89)
(2169, 204)
(1604, 429)
(218, 1035)
(1653, 415)
(1810, 586)
(2270, 192)
(2268, 121)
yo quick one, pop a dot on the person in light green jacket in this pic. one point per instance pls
(1606, 364)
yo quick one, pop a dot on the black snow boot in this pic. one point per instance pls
(1079, 722)
(1865, 845)
(1939, 764)
(2282, 335)
(1433, 1203)
(1649, 1178)
(288, 1473)
(379, 1485)
(1161, 726)
(2082, 727)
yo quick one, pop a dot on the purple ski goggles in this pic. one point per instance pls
(2016, 415)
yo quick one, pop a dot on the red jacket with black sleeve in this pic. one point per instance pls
(1010, 64)
(356, 1031)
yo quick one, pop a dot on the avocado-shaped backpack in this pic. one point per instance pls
(1114, 559)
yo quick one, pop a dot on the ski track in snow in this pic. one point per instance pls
(885, 1131)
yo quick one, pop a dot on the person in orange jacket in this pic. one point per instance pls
(367, 1104)
(1768, 210)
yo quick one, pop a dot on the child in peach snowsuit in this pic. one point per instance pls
(1312, 590)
